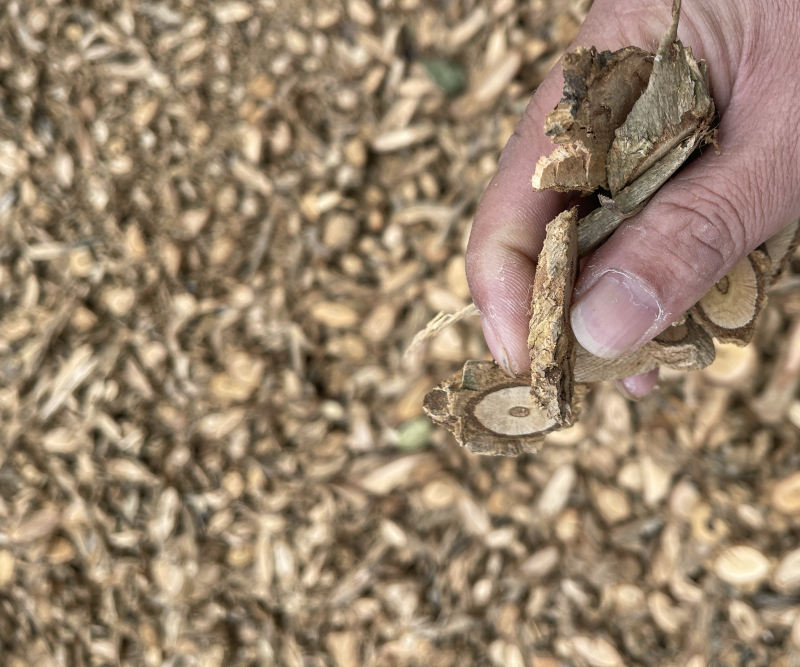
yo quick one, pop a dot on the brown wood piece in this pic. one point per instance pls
(600, 89)
(550, 340)
(676, 105)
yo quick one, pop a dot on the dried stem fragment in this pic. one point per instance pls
(682, 346)
(551, 342)
(601, 223)
(589, 368)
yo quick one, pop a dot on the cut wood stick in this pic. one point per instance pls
(589, 368)
(601, 223)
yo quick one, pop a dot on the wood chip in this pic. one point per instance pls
(675, 105)
(600, 90)
(743, 567)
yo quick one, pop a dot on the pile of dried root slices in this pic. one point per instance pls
(628, 120)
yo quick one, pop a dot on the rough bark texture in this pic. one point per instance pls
(550, 340)
(675, 106)
(600, 89)
(728, 311)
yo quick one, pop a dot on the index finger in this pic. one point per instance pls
(508, 232)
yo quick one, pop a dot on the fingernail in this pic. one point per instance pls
(496, 347)
(614, 315)
(637, 386)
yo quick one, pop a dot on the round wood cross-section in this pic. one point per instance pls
(510, 411)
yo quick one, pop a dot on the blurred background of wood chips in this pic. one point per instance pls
(222, 224)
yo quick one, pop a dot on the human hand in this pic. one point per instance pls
(695, 229)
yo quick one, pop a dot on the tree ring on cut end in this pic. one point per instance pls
(510, 411)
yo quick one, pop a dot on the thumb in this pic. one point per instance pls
(697, 227)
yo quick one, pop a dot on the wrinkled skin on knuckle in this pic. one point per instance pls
(706, 232)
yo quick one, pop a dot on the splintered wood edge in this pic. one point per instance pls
(550, 338)
(748, 279)
(601, 223)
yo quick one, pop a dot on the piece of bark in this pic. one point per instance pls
(596, 227)
(675, 105)
(550, 340)
(728, 311)
(600, 89)
(780, 249)
(488, 412)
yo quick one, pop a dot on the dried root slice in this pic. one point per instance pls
(675, 105)
(729, 309)
(780, 249)
(682, 346)
(600, 90)
(488, 412)
(589, 368)
(550, 340)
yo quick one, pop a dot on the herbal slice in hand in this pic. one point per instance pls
(600, 89)
(729, 309)
(488, 412)
(550, 340)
